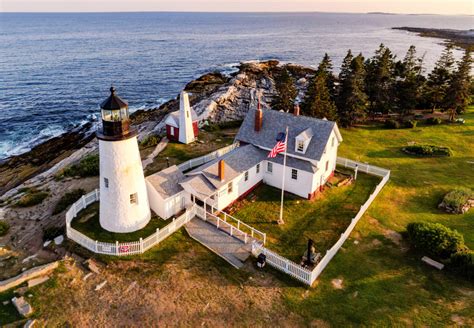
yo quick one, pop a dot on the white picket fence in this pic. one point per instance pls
(232, 226)
(125, 248)
(307, 276)
(192, 163)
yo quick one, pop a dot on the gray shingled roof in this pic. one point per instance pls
(200, 184)
(166, 182)
(236, 161)
(275, 122)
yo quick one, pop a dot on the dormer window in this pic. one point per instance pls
(300, 146)
(302, 141)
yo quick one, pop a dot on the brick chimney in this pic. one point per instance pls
(296, 109)
(221, 170)
(258, 117)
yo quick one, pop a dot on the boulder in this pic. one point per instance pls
(30, 323)
(59, 240)
(37, 281)
(22, 306)
(27, 275)
(92, 266)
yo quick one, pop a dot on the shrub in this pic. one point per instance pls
(434, 239)
(392, 124)
(4, 227)
(434, 121)
(427, 150)
(462, 262)
(87, 167)
(68, 199)
(457, 199)
(32, 198)
(150, 141)
(411, 124)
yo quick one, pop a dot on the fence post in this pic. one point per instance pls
(157, 232)
(97, 194)
(96, 247)
(231, 229)
(225, 217)
(217, 222)
(141, 245)
(245, 238)
(264, 238)
(116, 248)
(238, 224)
(84, 205)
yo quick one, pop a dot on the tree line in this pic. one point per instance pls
(378, 85)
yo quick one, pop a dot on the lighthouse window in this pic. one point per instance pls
(106, 182)
(134, 198)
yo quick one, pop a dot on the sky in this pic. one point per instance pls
(446, 7)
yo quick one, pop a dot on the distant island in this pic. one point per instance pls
(461, 38)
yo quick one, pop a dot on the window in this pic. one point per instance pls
(106, 182)
(246, 176)
(187, 114)
(300, 146)
(172, 130)
(134, 198)
(327, 165)
(258, 168)
(294, 174)
(229, 188)
(333, 142)
(269, 167)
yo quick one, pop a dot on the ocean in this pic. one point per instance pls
(56, 68)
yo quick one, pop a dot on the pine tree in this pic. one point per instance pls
(410, 82)
(380, 80)
(325, 67)
(287, 92)
(458, 93)
(352, 102)
(440, 78)
(319, 104)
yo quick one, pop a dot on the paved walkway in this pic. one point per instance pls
(229, 248)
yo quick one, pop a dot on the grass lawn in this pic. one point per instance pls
(87, 222)
(322, 219)
(177, 153)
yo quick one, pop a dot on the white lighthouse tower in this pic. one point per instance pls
(186, 131)
(123, 195)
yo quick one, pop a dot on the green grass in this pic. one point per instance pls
(91, 227)
(384, 285)
(8, 313)
(322, 219)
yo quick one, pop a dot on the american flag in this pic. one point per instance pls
(280, 145)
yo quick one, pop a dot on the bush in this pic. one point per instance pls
(150, 141)
(4, 227)
(457, 199)
(434, 239)
(462, 262)
(434, 121)
(32, 198)
(427, 150)
(411, 124)
(392, 124)
(68, 199)
(87, 167)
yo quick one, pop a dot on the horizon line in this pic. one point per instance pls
(229, 12)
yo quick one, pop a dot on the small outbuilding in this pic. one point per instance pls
(182, 125)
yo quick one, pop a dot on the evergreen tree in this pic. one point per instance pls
(440, 78)
(410, 82)
(352, 102)
(380, 80)
(287, 92)
(319, 103)
(325, 67)
(458, 93)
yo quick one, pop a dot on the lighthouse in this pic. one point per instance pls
(123, 196)
(186, 130)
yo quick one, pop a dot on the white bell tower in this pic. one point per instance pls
(123, 196)
(186, 131)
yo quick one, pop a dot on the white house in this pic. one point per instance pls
(311, 160)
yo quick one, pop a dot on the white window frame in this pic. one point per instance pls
(269, 167)
(333, 141)
(134, 198)
(258, 168)
(327, 166)
(246, 176)
(300, 146)
(230, 188)
(294, 174)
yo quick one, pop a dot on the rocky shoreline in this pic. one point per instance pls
(461, 38)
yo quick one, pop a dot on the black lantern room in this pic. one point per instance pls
(115, 119)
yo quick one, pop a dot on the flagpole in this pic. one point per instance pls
(280, 221)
